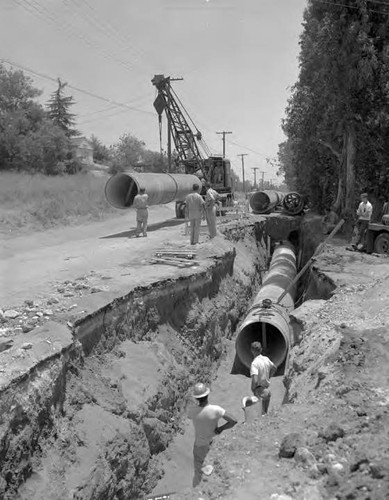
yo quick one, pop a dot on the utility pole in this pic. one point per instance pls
(224, 141)
(263, 175)
(242, 157)
(255, 176)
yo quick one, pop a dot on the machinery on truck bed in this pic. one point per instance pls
(377, 234)
(214, 169)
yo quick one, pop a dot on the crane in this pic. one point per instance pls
(214, 169)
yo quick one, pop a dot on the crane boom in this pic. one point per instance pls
(183, 137)
(214, 169)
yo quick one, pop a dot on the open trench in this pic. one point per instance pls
(94, 421)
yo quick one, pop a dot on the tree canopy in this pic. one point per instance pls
(337, 118)
(59, 110)
(28, 139)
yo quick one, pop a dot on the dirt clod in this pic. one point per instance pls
(290, 444)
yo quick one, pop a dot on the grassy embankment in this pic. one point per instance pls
(37, 202)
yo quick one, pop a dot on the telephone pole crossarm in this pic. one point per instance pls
(224, 133)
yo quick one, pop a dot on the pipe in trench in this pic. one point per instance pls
(121, 188)
(262, 202)
(267, 321)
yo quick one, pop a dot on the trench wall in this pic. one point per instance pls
(87, 419)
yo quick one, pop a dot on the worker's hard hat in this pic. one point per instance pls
(200, 390)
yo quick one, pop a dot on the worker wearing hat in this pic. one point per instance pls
(205, 419)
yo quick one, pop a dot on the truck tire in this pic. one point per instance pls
(381, 243)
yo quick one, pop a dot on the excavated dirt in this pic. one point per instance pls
(114, 422)
(123, 402)
(331, 440)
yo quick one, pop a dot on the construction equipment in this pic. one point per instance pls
(190, 160)
(377, 234)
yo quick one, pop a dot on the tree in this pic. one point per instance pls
(101, 154)
(337, 118)
(58, 109)
(28, 139)
(127, 153)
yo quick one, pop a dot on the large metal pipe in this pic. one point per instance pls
(293, 203)
(268, 321)
(121, 188)
(262, 202)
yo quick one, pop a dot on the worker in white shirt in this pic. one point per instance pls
(205, 417)
(194, 212)
(261, 371)
(141, 203)
(364, 211)
(211, 199)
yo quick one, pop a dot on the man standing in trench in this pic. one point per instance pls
(211, 198)
(194, 212)
(261, 371)
(205, 419)
(141, 201)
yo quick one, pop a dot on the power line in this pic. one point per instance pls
(248, 149)
(138, 100)
(46, 15)
(106, 29)
(355, 7)
(139, 52)
(77, 89)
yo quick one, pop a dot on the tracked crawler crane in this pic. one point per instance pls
(214, 169)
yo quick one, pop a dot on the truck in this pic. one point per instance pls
(187, 141)
(377, 234)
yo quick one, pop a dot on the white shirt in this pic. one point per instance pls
(261, 366)
(211, 197)
(365, 210)
(205, 420)
(194, 206)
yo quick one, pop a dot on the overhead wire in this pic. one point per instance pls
(37, 10)
(105, 28)
(77, 89)
(355, 7)
(116, 34)
(138, 100)
(201, 141)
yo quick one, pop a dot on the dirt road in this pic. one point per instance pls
(30, 265)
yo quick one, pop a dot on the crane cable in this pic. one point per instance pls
(201, 141)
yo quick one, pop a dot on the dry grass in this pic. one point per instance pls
(36, 202)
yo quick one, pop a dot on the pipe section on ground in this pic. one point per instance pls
(121, 188)
(268, 321)
(293, 203)
(262, 202)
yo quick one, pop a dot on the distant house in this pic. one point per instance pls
(82, 149)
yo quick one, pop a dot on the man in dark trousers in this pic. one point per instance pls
(261, 371)
(194, 212)
(205, 419)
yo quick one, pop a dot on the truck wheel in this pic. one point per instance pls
(381, 243)
(180, 209)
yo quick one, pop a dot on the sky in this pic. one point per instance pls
(238, 60)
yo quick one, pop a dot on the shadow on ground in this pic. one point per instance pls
(150, 228)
